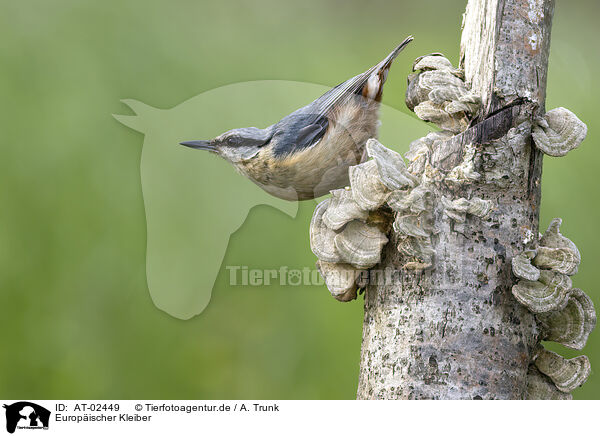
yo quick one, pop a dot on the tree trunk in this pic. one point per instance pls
(453, 330)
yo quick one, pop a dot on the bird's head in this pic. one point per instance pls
(235, 145)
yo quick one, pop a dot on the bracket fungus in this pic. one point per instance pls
(567, 374)
(367, 188)
(549, 292)
(360, 244)
(341, 279)
(567, 259)
(391, 167)
(522, 267)
(437, 93)
(562, 260)
(558, 132)
(435, 61)
(415, 201)
(413, 225)
(321, 236)
(540, 387)
(347, 231)
(441, 79)
(544, 284)
(342, 209)
(564, 315)
(572, 325)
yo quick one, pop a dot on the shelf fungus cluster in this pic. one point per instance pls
(564, 314)
(437, 93)
(349, 230)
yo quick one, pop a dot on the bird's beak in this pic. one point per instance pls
(200, 145)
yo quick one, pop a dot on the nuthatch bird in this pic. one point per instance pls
(307, 153)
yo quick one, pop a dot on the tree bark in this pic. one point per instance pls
(454, 330)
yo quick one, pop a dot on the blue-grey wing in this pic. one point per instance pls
(298, 131)
(312, 133)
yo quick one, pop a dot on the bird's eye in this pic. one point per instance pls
(230, 140)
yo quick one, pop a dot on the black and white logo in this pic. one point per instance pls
(26, 415)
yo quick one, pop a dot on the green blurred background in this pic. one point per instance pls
(76, 318)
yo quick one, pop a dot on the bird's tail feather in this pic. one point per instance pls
(358, 84)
